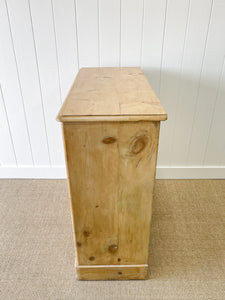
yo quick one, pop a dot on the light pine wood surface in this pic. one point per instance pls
(111, 146)
(111, 170)
(113, 93)
(112, 272)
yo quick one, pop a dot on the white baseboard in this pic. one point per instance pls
(206, 172)
(59, 172)
(40, 172)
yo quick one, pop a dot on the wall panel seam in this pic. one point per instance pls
(39, 81)
(214, 109)
(142, 31)
(162, 50)
(18, 77)
(99, 51)
(120, 32)
(180, 78)
(56, 51)
(77, 46)
(7, 118)
(199, 82)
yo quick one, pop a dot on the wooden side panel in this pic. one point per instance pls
(111, 169)
(93, 177)
(138, 143)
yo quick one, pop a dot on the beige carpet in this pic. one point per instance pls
(187, 254)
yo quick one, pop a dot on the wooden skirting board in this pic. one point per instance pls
(112, 272)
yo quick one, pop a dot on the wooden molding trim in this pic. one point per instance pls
(112, 272)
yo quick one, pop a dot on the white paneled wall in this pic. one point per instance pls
(180, 44)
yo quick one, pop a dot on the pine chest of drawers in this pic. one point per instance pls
(111, 119)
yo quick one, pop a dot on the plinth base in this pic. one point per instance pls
(112, 272)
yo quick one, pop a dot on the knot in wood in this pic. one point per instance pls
(139, 144)
(79, 244)
(109, 140)
(113, 248)
(91, 258)
(86, 233)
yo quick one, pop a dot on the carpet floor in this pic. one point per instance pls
(187, 251)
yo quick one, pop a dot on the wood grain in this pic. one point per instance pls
(93, 178)
(111, 146)
(111, 169)
(112, 272)
(114, 92)
(138, 144)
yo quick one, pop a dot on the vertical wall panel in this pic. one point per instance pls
(11, 90)
(43, 26)
(88, 32)
(131, 32)
(66, 42)
(194, 51)
(109, 32)
(7, 154)
(210, 78)
(153, 35)
(180, 44)
(215, 152)
(177, 13)
(27, 68)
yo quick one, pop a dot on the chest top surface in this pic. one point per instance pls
(111, 94)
